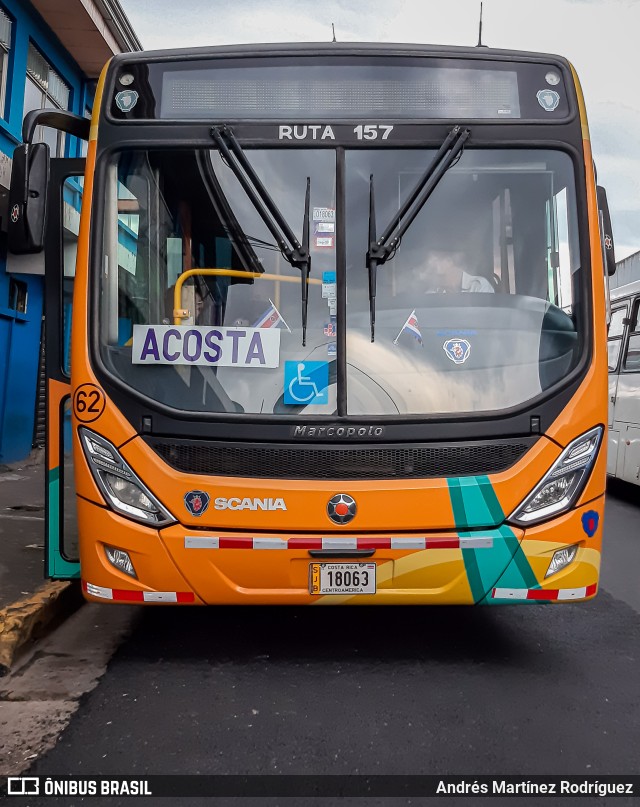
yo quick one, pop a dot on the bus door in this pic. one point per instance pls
(63, 220)
(619, 319)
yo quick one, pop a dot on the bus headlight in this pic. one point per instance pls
(562, 484)
(122, 489)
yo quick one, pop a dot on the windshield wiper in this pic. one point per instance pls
(294, 252)
(242, 241)
(383, 248)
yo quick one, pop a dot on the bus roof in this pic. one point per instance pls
(344, 48)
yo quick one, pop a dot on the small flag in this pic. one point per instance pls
(411, 325)
(270, 318)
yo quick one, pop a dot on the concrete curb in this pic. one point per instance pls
(28, 619)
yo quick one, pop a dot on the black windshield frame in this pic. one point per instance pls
(564, 135)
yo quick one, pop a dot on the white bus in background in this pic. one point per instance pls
(623, 457)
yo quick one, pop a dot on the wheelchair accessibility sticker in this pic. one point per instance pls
(306, 382)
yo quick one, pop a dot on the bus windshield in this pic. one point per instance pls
(479, 309)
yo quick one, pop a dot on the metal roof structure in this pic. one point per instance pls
(92, 31)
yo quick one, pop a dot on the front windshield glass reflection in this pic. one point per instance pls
(478, 308)
(231, 340)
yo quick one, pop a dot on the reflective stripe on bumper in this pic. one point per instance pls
(128, 595)
(544, 594)
(337, 543)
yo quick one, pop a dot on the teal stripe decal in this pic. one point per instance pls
(475, 505)
(58, 568)
(468, 555)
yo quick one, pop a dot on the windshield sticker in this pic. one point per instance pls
(332, 349)
(324, 241)
(328, 291)
(324, 214)
(126, 100)
(330, 327)
(271, 318)
(324, 227)
(410, 326)
(458, 350)
(207, 347)
(548, 99)
(333, 306)
(306, 382)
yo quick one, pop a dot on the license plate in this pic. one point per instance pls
(342, 578)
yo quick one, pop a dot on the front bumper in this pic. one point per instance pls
(181, 565)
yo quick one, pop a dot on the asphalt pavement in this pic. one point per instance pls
(30, 606)
(21, 528)
(521, 690)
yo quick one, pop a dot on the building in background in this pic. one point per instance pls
(51, 54)
(627, 271)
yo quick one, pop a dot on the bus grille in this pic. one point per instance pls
(281, 461)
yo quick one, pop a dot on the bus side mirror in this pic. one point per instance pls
(606, 233)
(28, 199)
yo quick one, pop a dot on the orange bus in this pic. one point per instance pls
(338, 332)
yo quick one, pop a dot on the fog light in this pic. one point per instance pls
(120, 559)
(562, 558)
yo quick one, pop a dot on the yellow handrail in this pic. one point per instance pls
(180, 313)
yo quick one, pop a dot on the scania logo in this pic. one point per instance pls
(196, 502)
(355, 432)
(236, 503)
(341, 508)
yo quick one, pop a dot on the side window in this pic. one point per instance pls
(5, 45)
(132, 281)
(534, 246)
(71, 204)
(560, 261)
(616, 332)
(127, 294)
(632, 355)
(45, 88)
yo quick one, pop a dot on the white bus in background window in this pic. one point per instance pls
(623, 458)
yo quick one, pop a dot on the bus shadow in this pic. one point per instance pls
(507, 636)
(623, 491)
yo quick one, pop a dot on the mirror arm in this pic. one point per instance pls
(57, 119)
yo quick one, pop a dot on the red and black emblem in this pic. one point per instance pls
(341, 508)
(15, 213)
(196, 502)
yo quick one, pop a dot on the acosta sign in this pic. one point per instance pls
(235, 503)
